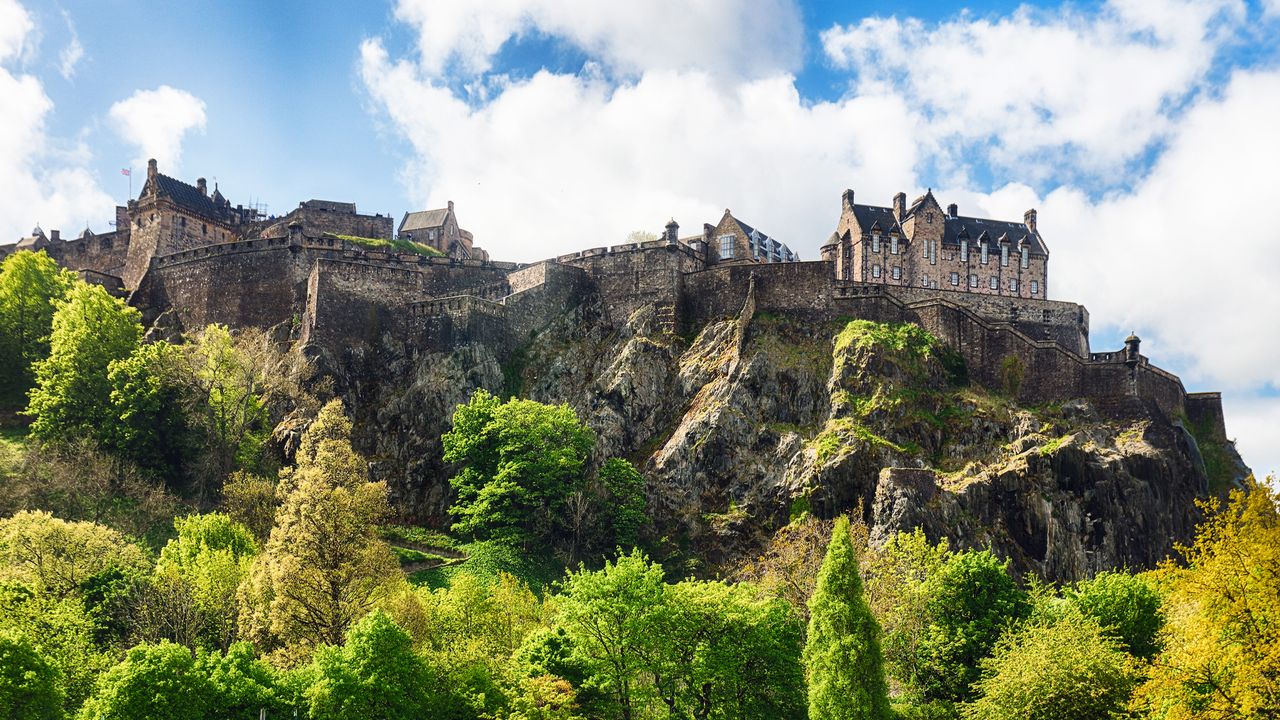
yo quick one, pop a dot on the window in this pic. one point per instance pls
(1035, 287)
(204, 228)
(897, 272)
(924, 280)
(875, 271)
(1004, 256)
(1013, 285)
(726, 247)
(955, 278)
(893, 244)
(1024, 257)
(875, 242)
(973, 281)
(995, 283)
(984, 252)
(964, 250)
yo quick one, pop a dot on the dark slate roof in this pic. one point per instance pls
(424, 220)
(782, 249)
(188, 197)
(956, 227)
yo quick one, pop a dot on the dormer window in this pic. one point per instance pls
(1024, 257)
(984, 252)
(893, 244)
(875, 242)
(1004, 256)
(964, 250)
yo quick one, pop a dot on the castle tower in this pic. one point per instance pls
(1131, 344)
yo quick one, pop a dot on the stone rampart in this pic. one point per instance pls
(534, 307)
(633, 275)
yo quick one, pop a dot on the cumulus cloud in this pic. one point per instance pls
(721, 36)
(1042, 89)
(40, 181)
(1254, 422)
(156, 122)
(73, 53)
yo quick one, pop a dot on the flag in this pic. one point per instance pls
(126, 171)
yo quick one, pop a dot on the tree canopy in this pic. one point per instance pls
(31, 286)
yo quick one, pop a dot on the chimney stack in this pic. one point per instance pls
(55, 235)
(900, 205)
(202, 186)
(846, 200)
(1030, 219)
(450, 206)
(953, 210)
(673, 231)
(151, 168)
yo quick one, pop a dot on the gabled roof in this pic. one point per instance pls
(955, 228)
(188, 197)
(424, 220)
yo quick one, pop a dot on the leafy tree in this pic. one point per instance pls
(971, 600)
(208, 559)
(149, 425)
(31, 284)
(609, 614)
(842, 653)
(1221, 656)
(54, 556)
(324, 566)
(157, 682)
(62, 632)
(1065, 669)
(238, 685)
(897, 575)
(29, 685)
(1126, 606)
(251, 501)
(374, 675)
(624, 497)
(521, 460)
(90, 331)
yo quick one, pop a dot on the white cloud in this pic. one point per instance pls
(560, 163)
(156, 121)
(73, 53)
(39, 181)
(1254, 422)
(726, 37)
(1039, 90)
(16, 28)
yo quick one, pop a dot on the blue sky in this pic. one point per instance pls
(1136, 127)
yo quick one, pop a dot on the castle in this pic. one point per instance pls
(186, 257)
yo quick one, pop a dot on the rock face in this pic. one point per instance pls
(747, 422)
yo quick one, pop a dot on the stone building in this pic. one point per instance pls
(439, 229)
(920, 245)
(732, 240)
(318, 217)
(171, 216)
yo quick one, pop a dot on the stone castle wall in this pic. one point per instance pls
(633, 275)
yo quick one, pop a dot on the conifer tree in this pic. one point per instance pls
(842, 654)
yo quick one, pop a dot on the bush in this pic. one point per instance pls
(1127, 608)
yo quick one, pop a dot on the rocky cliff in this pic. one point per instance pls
(743, 423)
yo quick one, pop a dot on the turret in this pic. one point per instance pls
(1131, 343)
(673, 231)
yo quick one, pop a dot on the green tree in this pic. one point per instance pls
(971, 600)
(149, 424)
(842, 654)
(1126, 606)
(624, 499)
(1065, 669)
(1221, 656)
(324, 566)
(897, 577)
(71, 397)
(30, 687)
(521, 460)
(31, 284)
(157, 682)
(208, 560)
(609, 616)
(238, 685)
(375, 674)
(54, 556)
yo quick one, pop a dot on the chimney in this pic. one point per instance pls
(151, 168)
(673, 231)
(953, 210)
(202, 186)
(1030, 219)
(450, 206)
(846, 200)
(899, 205)
(707, 231)
(55, 235)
